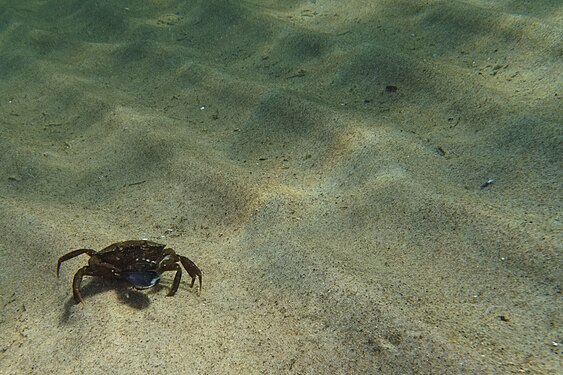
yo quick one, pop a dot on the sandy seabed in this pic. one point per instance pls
(322, 163)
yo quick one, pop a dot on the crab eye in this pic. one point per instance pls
(141, 280)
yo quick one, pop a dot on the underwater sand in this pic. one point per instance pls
(321, 162)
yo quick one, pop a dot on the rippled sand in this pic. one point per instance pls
(321, 161)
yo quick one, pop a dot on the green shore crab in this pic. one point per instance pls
(139, 262)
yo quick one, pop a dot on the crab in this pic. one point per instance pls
(138, 262)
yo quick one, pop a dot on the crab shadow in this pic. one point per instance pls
(125, 293)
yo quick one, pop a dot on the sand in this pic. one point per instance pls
(321, 162)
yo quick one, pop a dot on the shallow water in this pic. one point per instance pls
(323, 162)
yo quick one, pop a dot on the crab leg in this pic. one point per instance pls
(84, 271)
(73, 254)
(177, 278)
(192, 269)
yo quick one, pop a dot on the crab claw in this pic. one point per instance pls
(141, 279)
